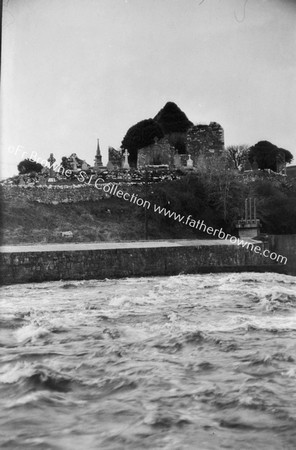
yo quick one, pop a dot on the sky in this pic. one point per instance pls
(74, 71)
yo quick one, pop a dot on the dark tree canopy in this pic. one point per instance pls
(268, 155)
(287, 155)
(141, 135)
(27, 166)
(172, 119)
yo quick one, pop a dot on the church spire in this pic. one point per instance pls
(98, 157)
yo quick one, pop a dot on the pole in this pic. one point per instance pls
(146, 216)
(255, 209)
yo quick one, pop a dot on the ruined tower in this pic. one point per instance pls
(205, 140)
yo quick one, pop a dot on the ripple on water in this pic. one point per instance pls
(149, 363)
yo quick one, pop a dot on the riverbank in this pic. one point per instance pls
(52, 262)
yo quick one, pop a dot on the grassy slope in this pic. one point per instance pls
(107, 220)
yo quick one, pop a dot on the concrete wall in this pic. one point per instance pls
(40, 266)
(285, 244)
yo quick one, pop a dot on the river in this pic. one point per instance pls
(183, 362)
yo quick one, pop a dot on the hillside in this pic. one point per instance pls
(90, 221)
(214, 194)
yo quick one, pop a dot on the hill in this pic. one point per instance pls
(214, 194)
(89, 221)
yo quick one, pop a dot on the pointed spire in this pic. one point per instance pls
(98, 148)
(98, 157)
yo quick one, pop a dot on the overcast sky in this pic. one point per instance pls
(77, 70)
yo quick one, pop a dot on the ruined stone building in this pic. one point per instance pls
(158, 153)
(115, 159)
(205, 140)
(200, 140)
(177, 142)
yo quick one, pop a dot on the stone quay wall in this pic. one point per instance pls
(37, 266)
(285, 244)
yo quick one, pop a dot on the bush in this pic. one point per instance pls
(28, 166)
(276, 206)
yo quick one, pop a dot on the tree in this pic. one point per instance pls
(27, 166)
(172, 119)
(276, 200)
(286, 155)
(268, 155)
(225, 188)
(65, 163)
(141, 135)
(237, 155)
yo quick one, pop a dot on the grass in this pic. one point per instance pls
(93, 221)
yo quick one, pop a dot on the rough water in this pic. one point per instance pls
(184, 362)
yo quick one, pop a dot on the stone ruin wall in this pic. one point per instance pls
(204, 140)
(160, 152)
(51, 194)
(175, 138)
(115, 158)
(56, 194)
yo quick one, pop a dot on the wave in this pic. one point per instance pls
(276, 301)
(163, 421)
(69, 286)
(11, 374)
(271, 324)
(35, 376)
(257, 359)
(11, 322)
(30, 333)
(44, 379)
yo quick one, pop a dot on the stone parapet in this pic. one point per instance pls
(37, 266)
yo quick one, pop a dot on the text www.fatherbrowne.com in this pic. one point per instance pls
(200, 225)
(112, 189)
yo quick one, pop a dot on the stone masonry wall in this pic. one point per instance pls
(160, 152)
(285, 244)
(55, 194)
(38, 266)
(204, 140)
(115, 158)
